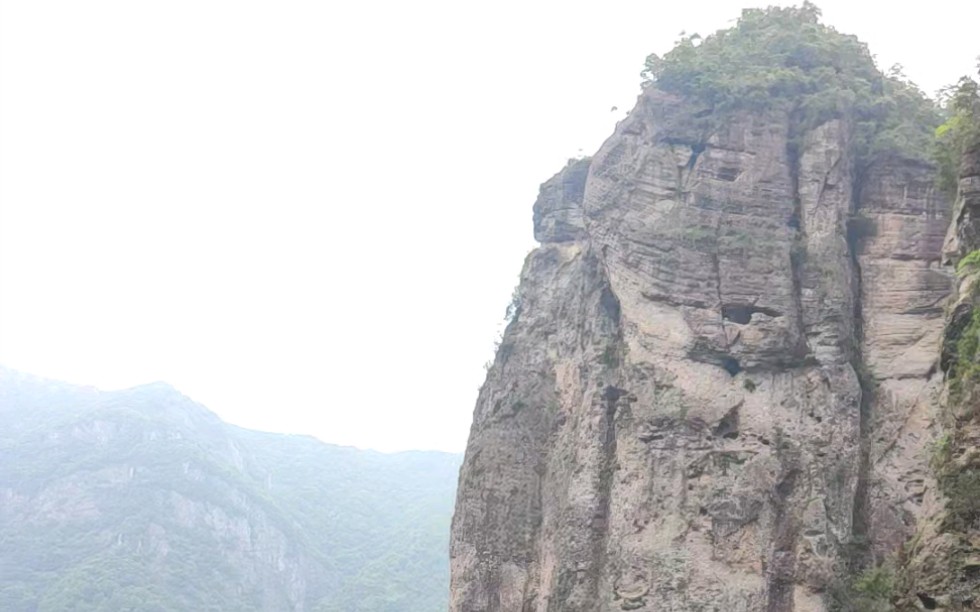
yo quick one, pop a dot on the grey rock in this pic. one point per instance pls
(683, 416)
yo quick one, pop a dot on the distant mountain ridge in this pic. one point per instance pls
(143, 500)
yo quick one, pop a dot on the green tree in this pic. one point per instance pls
(960, 131)
(785, 58)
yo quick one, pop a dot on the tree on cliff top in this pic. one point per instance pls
(784, 57)
(961, 130)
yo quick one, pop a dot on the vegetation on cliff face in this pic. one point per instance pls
(961, 103)
(958, 137)
(873, 590)
(940, 566)
(143, 500)
(785, 58)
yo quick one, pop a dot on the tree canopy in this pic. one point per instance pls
(960, 131)
(784, 57)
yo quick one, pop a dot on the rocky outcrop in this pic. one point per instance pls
(719, 379)
(558, 211)
(941, 563)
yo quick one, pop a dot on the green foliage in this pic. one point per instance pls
(961, 483)
(876, 583)
(969, 264)
(784, 58)
(873, 589)
(962, 490)
(960, 131)
(965, 370)
(870, 591)
(942, 450)
(749, 385)
(155, 505)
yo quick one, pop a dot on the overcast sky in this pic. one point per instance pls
(309, 216)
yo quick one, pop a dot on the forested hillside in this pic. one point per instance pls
(144, 500)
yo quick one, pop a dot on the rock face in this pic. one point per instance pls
(941, 564)
(719, 378)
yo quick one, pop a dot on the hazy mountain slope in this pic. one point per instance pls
(144, 500)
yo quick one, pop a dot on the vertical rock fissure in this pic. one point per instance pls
(797, 253)
(780, 569)
(857, 555)
(532, 584)
(716, 265)
(611, 397)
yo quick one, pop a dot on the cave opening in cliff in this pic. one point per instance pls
(742, 313)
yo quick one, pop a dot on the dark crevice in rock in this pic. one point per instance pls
(781, 568)
(860, 523)
(742, 313)
(612, 397)
(716, 268)
(793, 221)
(859, 554)
(928, 603)
(727, 427)
(858, 228)
(731, 365)
(937, 309)
(696, 151)
(727, 174)
(610, 304)
(797, 255)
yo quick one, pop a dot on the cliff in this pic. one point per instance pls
(720, 387)
(941, 564)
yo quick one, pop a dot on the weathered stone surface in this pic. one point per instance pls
(897, 235)
(558, 210)
(940, 564)
(676, 419)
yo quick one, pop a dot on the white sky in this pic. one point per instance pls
(310, 216)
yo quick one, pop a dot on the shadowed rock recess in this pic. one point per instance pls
(717, 390)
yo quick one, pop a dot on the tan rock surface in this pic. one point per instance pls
(674, 420)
